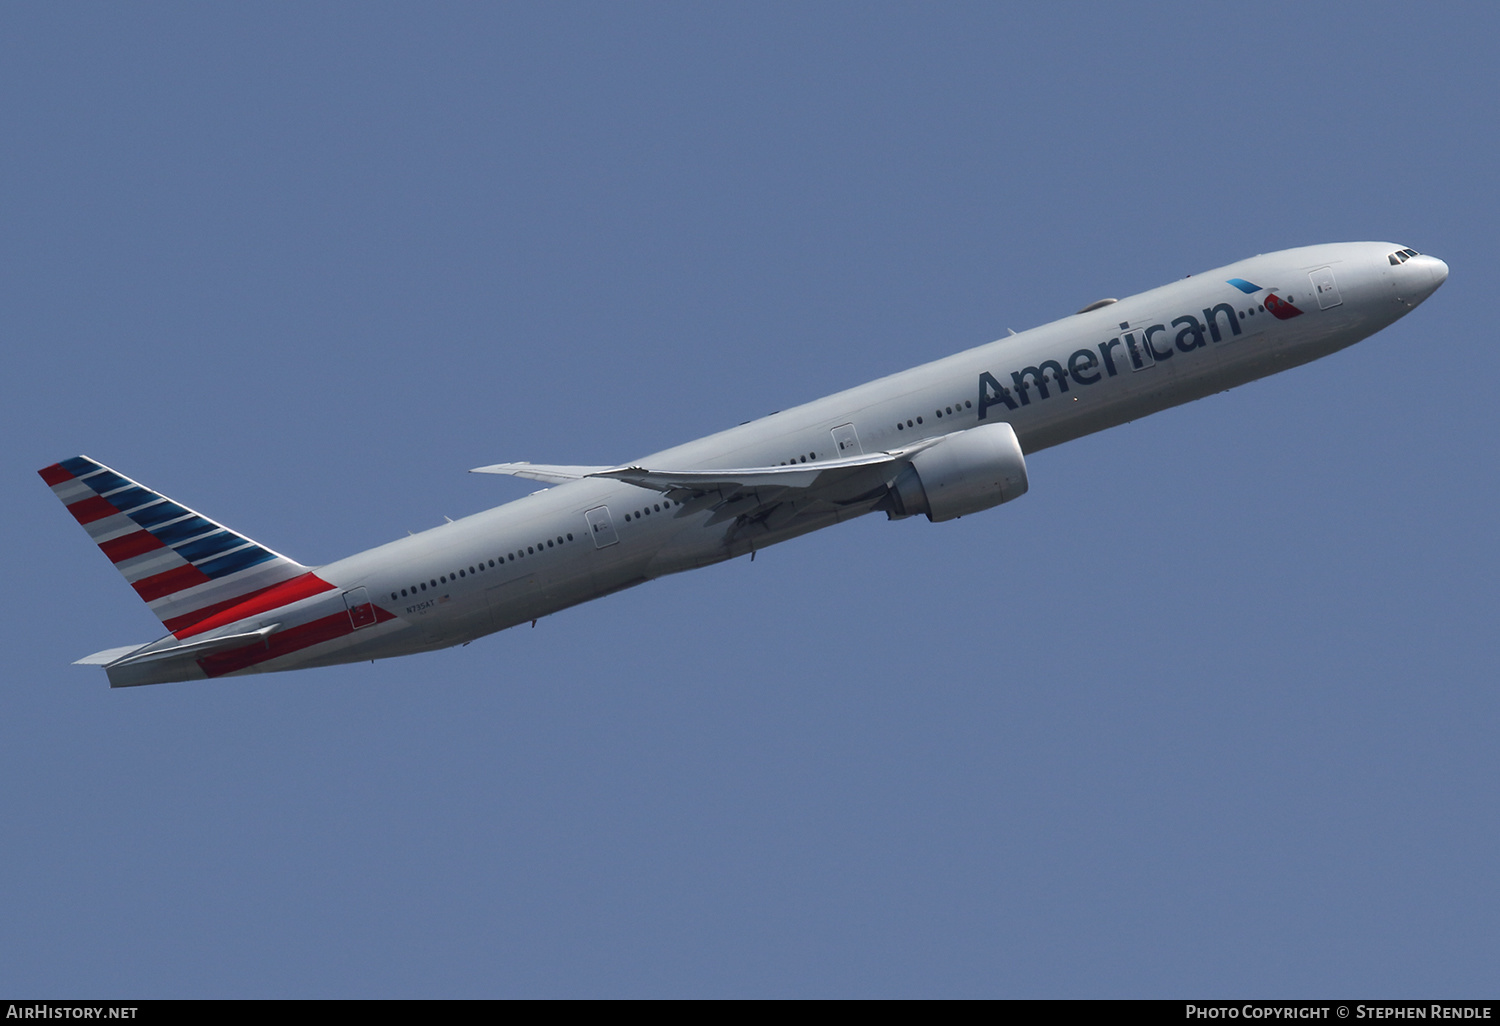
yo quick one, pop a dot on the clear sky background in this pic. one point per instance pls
(1212, 711)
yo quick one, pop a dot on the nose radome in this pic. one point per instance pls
(1424, 275)
(1438, 270)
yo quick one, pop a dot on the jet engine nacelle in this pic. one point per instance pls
(964, 473)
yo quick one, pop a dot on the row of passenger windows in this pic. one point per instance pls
(646, 512)
(509, 557)
(940, 413)
(798, 459)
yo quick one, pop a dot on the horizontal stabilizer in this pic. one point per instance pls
(168, 648)
(109, 655)
(196, 648)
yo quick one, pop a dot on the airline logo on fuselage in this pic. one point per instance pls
(1275, 305)
(1137, 348)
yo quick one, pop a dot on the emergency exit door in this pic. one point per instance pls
(846, 440)
(361, 613)
(1325, 288)
(601, 527)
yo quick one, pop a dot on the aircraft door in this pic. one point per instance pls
(361, 613)
(601, 527)
(1325, 288)
(846, 441)
(1138, 354)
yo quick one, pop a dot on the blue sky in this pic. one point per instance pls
(1210, 712)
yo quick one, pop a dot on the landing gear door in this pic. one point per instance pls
(1325, 289)
(361, 613)
(601, 527)
(846, 441)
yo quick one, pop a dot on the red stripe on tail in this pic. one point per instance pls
(130, 545)
(55, 474)
(281, 643)
(178, 579)
(93, 508)
(177, 623)
(221, 613)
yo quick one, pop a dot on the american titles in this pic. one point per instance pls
(1135, 348)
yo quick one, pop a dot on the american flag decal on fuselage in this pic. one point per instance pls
(185, 566)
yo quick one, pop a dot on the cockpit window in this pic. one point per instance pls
(1411, 252)
(1401, 256)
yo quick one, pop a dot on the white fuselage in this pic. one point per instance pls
(1053, 383)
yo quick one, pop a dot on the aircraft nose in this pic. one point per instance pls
(1438, 270)
(1425, 274)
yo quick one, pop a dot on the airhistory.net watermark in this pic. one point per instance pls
(43, 1010)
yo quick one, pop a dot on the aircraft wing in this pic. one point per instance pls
(749, 492)
(551, 473)
(794, 475)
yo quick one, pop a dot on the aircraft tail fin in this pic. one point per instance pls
(185, 566)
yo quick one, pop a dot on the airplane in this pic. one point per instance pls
(943, 440)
